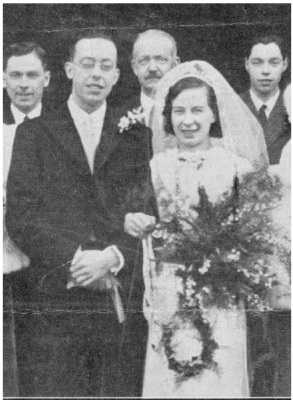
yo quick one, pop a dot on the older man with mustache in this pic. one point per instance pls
(154, 54)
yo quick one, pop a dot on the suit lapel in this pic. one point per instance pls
(250, 104)
(108, 141)
(275, 125)
(65, 133)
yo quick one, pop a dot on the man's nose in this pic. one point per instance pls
(265, 68)
(96, 71)
(24, 81)
(153, 66)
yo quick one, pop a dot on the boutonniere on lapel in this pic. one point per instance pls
(133, 117)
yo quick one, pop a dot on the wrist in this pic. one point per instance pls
(116, 260)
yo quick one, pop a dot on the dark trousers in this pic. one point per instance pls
(10, 375)
(71, 353)
(270, 353)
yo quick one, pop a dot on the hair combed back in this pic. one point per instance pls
(267, 39)
(86, 34)
(187, 84)
(152, 33)
(22, 49)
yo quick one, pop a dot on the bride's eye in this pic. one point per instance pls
(197, 110)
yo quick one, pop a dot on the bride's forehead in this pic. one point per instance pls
(199, 94)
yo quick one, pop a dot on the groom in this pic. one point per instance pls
(74, 175)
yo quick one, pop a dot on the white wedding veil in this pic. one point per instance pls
(242, 134)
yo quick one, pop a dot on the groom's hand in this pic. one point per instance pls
(138, 224)
(92, 265)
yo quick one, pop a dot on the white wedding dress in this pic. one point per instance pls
(213, 169)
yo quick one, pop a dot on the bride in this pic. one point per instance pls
(197, 103)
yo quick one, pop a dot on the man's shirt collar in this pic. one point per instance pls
(146, 102)
(79, 115)
(270, 103)
(19, 115)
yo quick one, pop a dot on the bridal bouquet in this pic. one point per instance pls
(226, 253)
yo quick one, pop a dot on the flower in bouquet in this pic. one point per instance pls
(187, 343)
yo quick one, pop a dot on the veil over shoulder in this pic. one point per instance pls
(242, 134)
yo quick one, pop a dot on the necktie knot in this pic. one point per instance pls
(262, 108)
(26, 118)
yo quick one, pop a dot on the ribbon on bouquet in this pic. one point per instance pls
(149, 266)
(117, 301)
(112, 287)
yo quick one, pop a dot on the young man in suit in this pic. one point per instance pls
(265, 63)
(25, 77)
(74, 175)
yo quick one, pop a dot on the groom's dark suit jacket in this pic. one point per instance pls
(69, 342)
(54, 204)
(277, 130)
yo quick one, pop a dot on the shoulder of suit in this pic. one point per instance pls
(47, 121)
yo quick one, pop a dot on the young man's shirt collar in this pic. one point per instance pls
(79, 115)
(259, 103)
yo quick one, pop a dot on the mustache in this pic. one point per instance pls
(152, 75)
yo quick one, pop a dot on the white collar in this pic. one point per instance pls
(19, 115)
(79, 115)
(146, 102)
(258, 102)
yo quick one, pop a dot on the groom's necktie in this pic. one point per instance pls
(262, 115)
(90, 140)
(26, 118)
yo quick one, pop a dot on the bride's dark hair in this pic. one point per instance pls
(185, 84)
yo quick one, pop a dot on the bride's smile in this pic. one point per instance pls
(192, 118)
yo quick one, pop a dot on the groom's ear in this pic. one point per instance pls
(68, 69)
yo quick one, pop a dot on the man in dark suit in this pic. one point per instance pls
(265, 63)
(269, 338)
(25, 77)
(74, 175)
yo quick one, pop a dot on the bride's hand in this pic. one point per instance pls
(139, 225)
